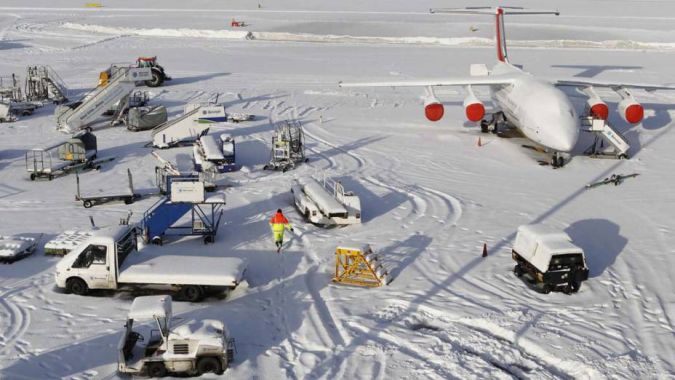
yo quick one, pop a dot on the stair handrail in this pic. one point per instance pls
(58, 81)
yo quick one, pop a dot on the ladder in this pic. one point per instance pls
(99, 100)
(174, 131)
(604, 133)
(43, 83)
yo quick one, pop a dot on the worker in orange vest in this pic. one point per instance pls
(279, 223)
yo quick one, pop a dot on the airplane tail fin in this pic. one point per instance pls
(498, 12)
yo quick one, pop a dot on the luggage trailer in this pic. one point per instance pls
(75, 154)
(89, 200)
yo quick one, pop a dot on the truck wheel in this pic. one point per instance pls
(156, 80)
(156, 369)
(87, 204)
(209, 364)
(517, 270)
(32, 176)
(77, 286)
(128, 201)
(546, 289)
(192, 293)
(574, 286)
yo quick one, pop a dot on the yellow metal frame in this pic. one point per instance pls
(351, 267)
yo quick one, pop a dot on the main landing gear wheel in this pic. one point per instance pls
(484, 126)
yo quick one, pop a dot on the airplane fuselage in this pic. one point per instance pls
(538, 109)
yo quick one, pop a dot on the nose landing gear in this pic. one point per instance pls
(557, 160)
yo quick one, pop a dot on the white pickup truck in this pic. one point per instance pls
(110, 260)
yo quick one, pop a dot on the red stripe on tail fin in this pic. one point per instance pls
(500, 36)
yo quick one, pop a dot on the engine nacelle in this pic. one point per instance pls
(433, 108)
(473, 108)
(631, 110)
(597, 108)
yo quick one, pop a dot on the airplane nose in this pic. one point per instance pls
(565, 136)
(565, 145)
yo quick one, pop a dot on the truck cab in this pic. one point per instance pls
(108, 259)
(94, 264)
(151, 346)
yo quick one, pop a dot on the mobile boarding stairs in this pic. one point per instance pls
(604, 133)
(80, 115)
(184, 193)
(43, 83)
(195, 122)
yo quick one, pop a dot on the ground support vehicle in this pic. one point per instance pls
(548, 259)
(110, 260)
(152, 346)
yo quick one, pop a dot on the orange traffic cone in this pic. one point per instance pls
(479, 143)
(484, 249)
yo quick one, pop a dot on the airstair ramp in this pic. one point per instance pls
(603, 130)
(100, 100)
(162, 215)
(176, 130)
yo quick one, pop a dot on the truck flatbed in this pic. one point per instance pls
(158, 268)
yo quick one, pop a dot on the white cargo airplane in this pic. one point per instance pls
(535, 106)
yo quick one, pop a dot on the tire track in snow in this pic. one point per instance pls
(497, 346)
(17, 321)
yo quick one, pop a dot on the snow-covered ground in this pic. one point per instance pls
(430, 196)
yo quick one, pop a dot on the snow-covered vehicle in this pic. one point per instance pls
(326, 202)
(549, 259)
(238, 117)
(214, 154)
(13, 248)
(109, 260)
(193, 348)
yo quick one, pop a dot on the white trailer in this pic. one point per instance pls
(157, 348)
(549, 259)
(195, 122)
(128, 195)
(13, 248)
(326, 202)
(111, 261)
(79, 115)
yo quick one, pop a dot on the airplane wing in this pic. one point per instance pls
(612, 85)
(486, 80)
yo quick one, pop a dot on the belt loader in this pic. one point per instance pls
(326, 202)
